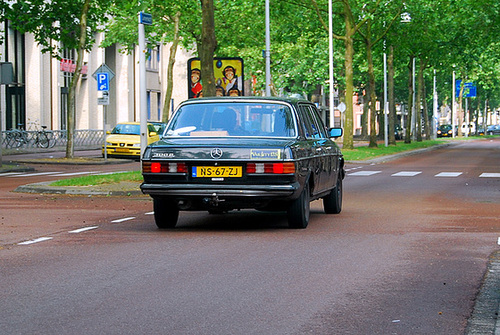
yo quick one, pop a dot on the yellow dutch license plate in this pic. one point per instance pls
(217, 171)
(122, 150)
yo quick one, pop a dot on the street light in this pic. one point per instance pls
(330, 50)
(268, 52)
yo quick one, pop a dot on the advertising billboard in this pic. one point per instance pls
(228, 74)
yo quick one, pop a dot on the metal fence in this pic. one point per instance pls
(42, 140)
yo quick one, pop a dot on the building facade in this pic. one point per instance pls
(39, 91)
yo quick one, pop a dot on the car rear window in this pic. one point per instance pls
(233, 119)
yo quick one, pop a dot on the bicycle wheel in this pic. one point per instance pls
(42, 139)
(18, 139)
(50, 137)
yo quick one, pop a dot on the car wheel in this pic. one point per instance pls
(166, 213)
(298, 212)
(332, 203)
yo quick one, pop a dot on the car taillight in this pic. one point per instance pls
(271, 168)
(163, 167)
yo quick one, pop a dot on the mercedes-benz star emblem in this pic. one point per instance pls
(216, 153)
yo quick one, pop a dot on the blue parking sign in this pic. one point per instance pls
(102, 81)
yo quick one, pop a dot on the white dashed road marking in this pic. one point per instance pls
(489, 175)
(364, 173)
(122, 220)
(406, 174)
(448, 174)
(81, 230)
(41, 239)
(35, 174)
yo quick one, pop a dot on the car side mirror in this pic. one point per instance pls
(335, 132)
(153, 133)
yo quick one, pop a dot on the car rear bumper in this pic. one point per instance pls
(197, 190)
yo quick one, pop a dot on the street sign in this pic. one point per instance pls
(145, 18)
(470, 90)
(104, 100)
(103, 81)
(104, 69)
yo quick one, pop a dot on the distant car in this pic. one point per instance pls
(493, 130)
(124, 141)
(159, 127)
(398, 132)
(222, 154)
(470, 131)
(444, 130)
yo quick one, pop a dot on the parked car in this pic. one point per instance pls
(398, 132)
(159, 127)
(493, 130)
(222, 154)
(470, 131)
(444, 130)
(124, 141)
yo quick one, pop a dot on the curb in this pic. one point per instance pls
(45, 188)
(485, 315)
(86, 161)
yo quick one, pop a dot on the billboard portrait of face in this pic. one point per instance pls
(228, 75)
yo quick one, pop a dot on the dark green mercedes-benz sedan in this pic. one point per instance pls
(222, 154)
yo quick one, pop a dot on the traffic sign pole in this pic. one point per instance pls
(144, 18)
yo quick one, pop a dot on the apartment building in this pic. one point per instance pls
(39, 91)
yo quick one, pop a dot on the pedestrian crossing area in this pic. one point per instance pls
(354, 172)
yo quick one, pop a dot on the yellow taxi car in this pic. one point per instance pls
(124, 141)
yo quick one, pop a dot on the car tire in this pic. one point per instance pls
(299, 210)
(332, 203)
(166, 213)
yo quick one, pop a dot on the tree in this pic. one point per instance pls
(73, 23)
(206, 47)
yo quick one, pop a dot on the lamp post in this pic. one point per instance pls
(434, 108)
(330, 51)
(268, 52)
(453, 107)
(386, 103)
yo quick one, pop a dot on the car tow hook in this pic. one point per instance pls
(213, 201)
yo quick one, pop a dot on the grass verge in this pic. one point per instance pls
(364, 152)
(99, 179)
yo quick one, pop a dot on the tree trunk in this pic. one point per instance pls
(170, 69)
(349, 79)
(410, 101)
(207, 48)
(418, 102)
(461, 110)
(364, 116)
(427, 122)
(71, 106)
(392, 103)
(373, 96)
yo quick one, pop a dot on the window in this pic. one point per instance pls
(153, 61)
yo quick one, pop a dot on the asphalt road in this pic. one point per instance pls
(407, 255)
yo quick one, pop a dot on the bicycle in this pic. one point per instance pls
(43, 138)
(16, 138)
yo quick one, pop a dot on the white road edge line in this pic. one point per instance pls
(149, 213)
(124, 219)
(81, 230)
(41, 239)
(498, 241)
